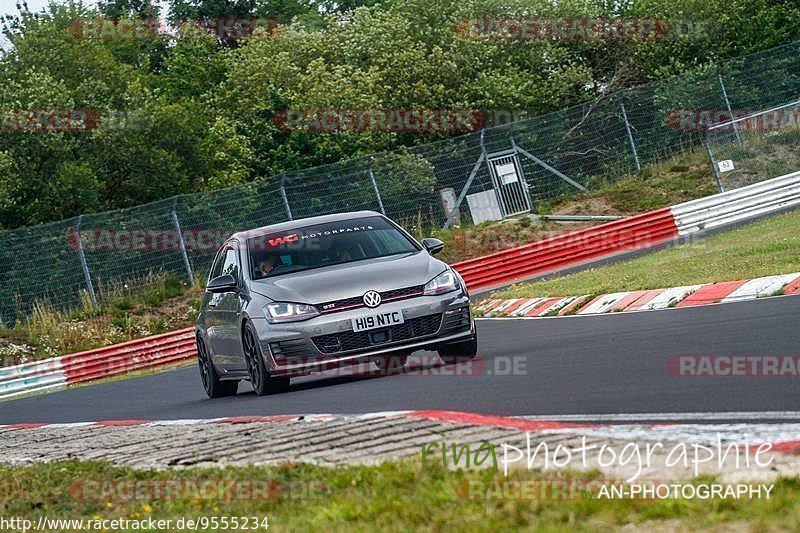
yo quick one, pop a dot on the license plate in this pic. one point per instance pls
(377, 320)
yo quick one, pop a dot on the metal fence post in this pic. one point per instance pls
(285, 199)
(375, 186)
(84, 265)
(728, 103)
(181, 244)
(628, 130)
(467, 185)
(714, 167)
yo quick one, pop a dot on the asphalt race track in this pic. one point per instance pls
(604, 364)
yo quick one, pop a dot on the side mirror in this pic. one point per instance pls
(226, 283)
(434, 246)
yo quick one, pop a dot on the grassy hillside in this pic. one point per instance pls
(764, 248)
(167, 304)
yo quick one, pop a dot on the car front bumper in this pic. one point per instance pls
(328, 340)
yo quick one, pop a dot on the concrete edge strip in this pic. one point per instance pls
(783, 428)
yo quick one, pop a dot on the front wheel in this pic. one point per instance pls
(458, 352)
(214, 387)
(262, 382)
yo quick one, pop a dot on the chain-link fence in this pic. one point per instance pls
(756, 146)
(488, 174)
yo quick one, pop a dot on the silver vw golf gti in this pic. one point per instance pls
(326, 292)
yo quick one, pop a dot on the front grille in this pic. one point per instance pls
(349, 340)
(357, 301)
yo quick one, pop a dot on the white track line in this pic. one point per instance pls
(698, 417)
(628, 418)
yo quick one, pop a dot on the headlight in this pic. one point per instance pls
(289, 312)
(444, 282)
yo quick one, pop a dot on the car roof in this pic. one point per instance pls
(301, 223)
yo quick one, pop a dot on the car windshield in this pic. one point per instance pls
(323, 245)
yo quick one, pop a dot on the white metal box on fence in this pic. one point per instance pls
(483, 206)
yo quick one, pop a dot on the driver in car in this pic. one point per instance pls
(267, 265)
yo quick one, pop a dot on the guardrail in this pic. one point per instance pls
(567, 250)
(33, 376)
(641, 231)
(158, 350)
(91, 365)
(739, 204)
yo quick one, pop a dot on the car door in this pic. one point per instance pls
(209, 306)
(224, 310)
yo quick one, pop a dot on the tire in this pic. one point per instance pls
(214, 387)
(262, 382)
(458, 352)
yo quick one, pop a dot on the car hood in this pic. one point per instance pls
(348, 280)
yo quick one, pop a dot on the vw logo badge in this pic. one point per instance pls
(372, 298)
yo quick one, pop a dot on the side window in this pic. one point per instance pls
(216, 266)
(230, 264)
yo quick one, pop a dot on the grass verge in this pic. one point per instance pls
(764, 248)
(164, 304)
(396, 496)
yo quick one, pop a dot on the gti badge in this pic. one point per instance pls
(372, 299)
